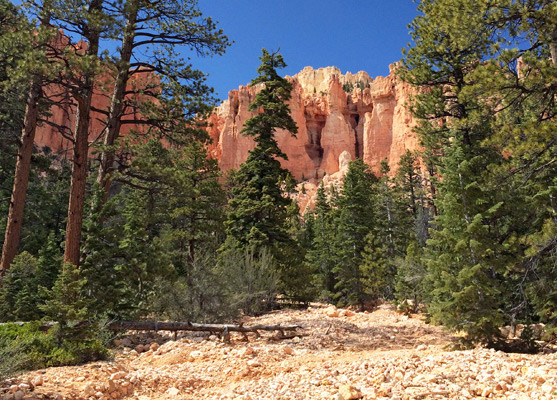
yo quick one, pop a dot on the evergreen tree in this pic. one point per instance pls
(23, 70)
(66, 305)
(18, 294)
(151, 35)
(415, 205)
(49, 262)
(476, 107)
(321, 254)
(376, 278)
(409, 283)
(170, 210)
(355, 221)
(258, 216)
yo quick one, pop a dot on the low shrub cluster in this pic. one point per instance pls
(25, 347)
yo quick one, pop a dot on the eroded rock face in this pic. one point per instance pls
(339, 118)
(370, 122)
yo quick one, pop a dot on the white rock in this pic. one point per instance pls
(173, 391)
(118, 375)
(254, 363)
(37, 380)
(24, 387)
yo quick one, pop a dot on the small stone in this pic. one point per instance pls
(139, 348)
(331, 312)
(288, 350)
(24, 387)
(547, 388)
(347, 392)
(248, 351)
(126, 342)
(112, 386)
(118, 375)
(399, 375)
(154, 346)
(196, 354)
(173, 391)
(88, 390)
(486, 392)
(254, 363)
(421, 347)
(18, 395)
(37, 380)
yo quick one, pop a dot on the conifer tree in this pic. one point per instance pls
(321, 253)
(24, 69)
(487, 95)
(67, 305)
(258, 215)
(151, 35)
(18, 294)
(355, 221)
(376, 278)
(464, 258)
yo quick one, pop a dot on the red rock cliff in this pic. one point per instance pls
(334, 126)
(370, 122)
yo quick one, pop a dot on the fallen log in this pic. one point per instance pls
(190, 326)
(221, 329)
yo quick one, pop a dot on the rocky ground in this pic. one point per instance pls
(338, 355)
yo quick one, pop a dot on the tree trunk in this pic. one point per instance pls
(80, 152)
(118, 97)
(78, 183)
(190, 326)
(21, 179)
(23, 164)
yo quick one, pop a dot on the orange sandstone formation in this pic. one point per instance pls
(339, 117)
(370, 122)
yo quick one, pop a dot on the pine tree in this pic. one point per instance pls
(25, 71)
(170, 211)
(258, 216)
(355, 220)
(416, 205)
(464, 257)
(486, 68)
(321, 254)
(376, 278)
(18, 294)
(151, 35)
(67, 305)
(49, 262)
(409, 282)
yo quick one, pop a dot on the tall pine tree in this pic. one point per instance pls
(258, 216)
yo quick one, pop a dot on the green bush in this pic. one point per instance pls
(26, 347)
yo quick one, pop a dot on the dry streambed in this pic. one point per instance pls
(339, 355)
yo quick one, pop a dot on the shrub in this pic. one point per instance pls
(26, 347)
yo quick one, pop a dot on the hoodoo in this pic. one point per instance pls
(339, 116)
(335, 113)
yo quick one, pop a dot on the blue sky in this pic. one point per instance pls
(352, 35)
